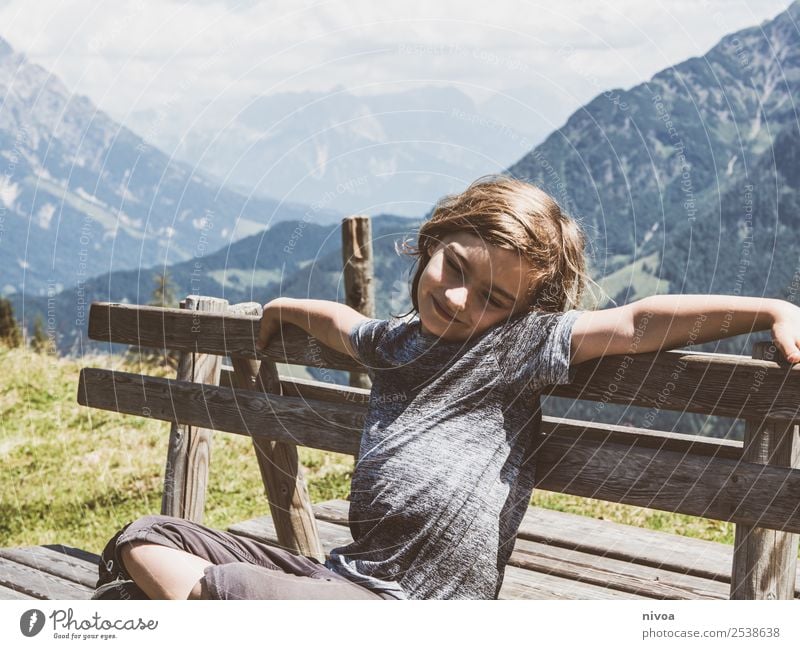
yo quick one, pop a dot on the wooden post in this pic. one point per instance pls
(289, 502)
(189, 452)
(359, 285)
(765, 560)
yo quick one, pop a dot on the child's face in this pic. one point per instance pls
(477, 284)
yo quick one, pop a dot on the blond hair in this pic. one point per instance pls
(518, 216)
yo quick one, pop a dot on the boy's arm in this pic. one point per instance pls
(669, 321)
(329, 322)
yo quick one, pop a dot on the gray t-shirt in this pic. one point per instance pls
(446, 469)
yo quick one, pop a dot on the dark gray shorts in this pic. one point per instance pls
(243, 568)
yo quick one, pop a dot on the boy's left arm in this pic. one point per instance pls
(670, 321)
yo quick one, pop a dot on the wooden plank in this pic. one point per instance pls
(715, 384)
(41, 585)
(526, 584)
(625, 576)
(223, 334)
(358, 272)
(9, 593)
(765, 560)
(189, 447)
(711, 487)
(570, 568)
(327, 426)
(56, 560)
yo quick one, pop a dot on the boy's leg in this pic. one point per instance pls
(209, 563)
(165, 573)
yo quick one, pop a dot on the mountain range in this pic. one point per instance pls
(380, 153)
(81, 194)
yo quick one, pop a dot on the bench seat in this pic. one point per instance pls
(557, 555)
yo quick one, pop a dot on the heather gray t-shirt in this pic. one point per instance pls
(445, 469)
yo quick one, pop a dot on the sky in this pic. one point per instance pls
(142, 54)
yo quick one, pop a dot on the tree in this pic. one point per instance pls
(39, 341)
(163, 295)
(164, 291)
(10, 334)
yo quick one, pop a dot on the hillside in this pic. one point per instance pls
(293, 258)
(82, 195)
(698, 165)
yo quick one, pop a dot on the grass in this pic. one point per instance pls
(75, 475)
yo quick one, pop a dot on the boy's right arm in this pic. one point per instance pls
(329, 322)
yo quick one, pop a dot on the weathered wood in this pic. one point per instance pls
(223, 334)
(526, 584)
(711, 487)
(189, 450)
(56, 560)
(359, 288)
(714, 384)
(765, 560)
(318, 424)
(41, 585)
(10, 593)
(280, 467)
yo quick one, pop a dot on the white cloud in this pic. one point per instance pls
(146, 53)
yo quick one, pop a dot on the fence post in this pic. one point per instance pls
(289, 502)
(359, 285)
(765, 560)
(189, 452)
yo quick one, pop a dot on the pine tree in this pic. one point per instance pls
(164, 291)
(39, 341)
(163, 295)
(10, 334)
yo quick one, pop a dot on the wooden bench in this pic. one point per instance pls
(755, 484)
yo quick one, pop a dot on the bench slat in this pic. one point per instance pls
(223, 334)
(40, 585)
(526, 584)
(318, 424)
(714, 384)
(55, 560)
(722, 489)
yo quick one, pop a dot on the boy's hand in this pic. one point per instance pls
(270, 324)
(786, 331)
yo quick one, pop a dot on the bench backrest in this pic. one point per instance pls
(755, 484)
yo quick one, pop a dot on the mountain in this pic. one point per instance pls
(379, 153)
(292, 258)
(688, 183)
(81, 195)
(662, 169)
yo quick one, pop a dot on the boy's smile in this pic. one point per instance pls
(469, 286)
